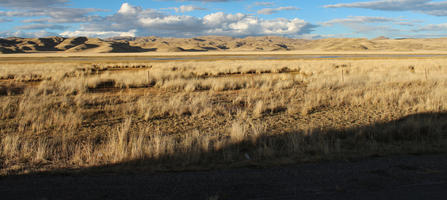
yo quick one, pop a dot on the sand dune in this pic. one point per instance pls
(214, 43)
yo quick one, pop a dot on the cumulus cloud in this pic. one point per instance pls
(31, 3)
(357, 19)
(269, 11)
(425, 6)
(127, 9)
(244, 25)
(153, 22)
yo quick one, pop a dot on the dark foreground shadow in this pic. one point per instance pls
(405, 158)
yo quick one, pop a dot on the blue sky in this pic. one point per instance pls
(236, 18)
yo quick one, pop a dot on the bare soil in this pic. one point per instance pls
(395, 177)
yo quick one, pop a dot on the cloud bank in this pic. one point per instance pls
(153, 22)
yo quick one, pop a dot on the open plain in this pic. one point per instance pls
(146, 113)
(223, 99)
(173, 114)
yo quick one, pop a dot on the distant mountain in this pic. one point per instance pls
(213, 43)
(59, 44)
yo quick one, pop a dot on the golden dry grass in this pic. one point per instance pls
(178, 115)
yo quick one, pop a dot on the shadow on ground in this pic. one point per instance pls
(403, 159)
(424, 133)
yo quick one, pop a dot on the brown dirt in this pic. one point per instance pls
(396, 177)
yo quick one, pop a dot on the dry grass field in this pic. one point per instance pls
(222, 113)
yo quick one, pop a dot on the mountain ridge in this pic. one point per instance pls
(213, 43)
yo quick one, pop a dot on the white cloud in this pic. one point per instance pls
(98, 34)
(357, 19)
(24, 34)
(184, 8)
(152, 22)
(438, 8)
(187, 8)
(127, 9)
(269, 11)
(221, 19)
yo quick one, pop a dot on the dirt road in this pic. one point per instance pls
(398, 177)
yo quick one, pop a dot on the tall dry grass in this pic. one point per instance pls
(210, 113)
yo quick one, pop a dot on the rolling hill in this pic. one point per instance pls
(213, 43)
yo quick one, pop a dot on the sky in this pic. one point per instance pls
(308, 19)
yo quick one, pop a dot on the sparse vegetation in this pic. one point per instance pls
(171, 115)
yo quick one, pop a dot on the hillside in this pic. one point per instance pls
(213, 43)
